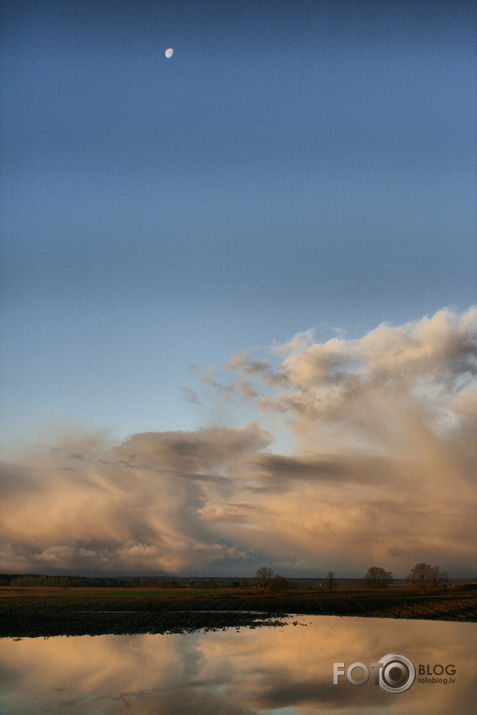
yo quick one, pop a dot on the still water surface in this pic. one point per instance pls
(284, 671)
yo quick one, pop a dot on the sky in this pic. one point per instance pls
(237, 286)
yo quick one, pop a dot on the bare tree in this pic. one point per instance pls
(378, 577)
(424, 575)
(265, 575)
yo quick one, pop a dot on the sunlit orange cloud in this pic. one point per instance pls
(382, 470)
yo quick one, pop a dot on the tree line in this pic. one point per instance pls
(422, 575)
(86, 581)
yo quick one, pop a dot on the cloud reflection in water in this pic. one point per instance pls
(251, 671)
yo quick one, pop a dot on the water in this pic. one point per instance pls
(284, 671)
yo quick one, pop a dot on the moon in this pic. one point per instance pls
(169, 52)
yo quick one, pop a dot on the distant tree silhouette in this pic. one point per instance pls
(424, 576)
(330, 581)
(265, 575)
(378, 577)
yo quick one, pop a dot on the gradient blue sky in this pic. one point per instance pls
(295, 165)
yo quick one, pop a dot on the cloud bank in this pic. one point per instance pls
(383, 469)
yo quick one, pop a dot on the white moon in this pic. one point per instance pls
(169, 52)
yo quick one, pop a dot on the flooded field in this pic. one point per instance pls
(283, 670)
(33, 612)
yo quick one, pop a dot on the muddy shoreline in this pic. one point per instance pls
(25, 613)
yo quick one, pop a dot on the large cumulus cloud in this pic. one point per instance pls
(383, 469)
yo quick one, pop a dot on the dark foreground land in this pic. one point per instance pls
(43, 611)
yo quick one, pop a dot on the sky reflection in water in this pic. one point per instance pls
(267, 670)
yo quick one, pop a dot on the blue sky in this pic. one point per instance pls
(294, 165)
(170, 223)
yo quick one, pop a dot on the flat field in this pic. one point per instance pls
(46, 611)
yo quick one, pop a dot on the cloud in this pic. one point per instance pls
(208, 448)
(382, 470)
(131, 507)
(326, 468)
(378, 389)
(191, 396)
(255, 670)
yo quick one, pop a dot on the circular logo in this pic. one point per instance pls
(397, 673)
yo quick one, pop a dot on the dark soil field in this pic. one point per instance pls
(32, 611)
